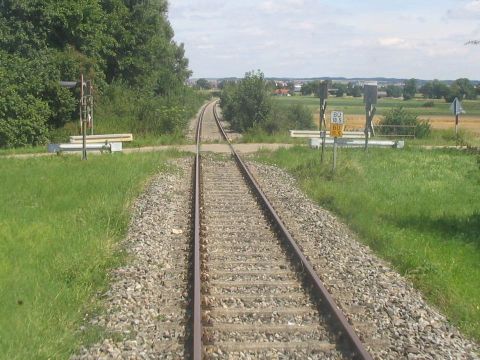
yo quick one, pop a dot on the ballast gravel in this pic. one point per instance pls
(389, 315)
(145, 313)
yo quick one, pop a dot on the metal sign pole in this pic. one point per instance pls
(334, 153)
(370, 95)
(83, 119)
(337, 123)
(456, 125)
(457, 109)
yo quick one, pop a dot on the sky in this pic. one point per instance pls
(423, 39)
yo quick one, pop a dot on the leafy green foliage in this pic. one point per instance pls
(410, 89)
(399, 121)
(30, 101)
(434, 89)
(128, 110)
(284, 118)
(248, 106)
(43, 42)
(394, 91)
(461, 89)
(247, 103)
(203, 84)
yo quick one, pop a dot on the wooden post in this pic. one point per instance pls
(456, 125)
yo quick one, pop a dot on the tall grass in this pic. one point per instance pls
(60, 222)
(153, 120)
(418, 209)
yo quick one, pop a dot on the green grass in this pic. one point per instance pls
(60, 222)
(419, 209)
(446, 138)
(23, 150)
(353, 106)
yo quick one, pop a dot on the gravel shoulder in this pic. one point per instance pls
(390, 316)
(145, 307)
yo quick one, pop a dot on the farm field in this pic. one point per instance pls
(439, 115)
(58, 237)
(418, 209)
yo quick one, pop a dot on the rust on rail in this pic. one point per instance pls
(197, 345)
(319, 287)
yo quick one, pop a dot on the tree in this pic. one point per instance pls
(394, 91)
(354, 90)
(427, 90)
(203, 84)
(110, 41)
(462, 89)
(409, 89)
(309, 88)
(248, 103)
(341, 89)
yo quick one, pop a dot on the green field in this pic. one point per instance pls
(419, 209)
(354, 106)
(60, 222)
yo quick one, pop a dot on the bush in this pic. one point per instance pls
(121, 109)
(401, 122)
(428, 104)
(247, 104)
(23, 120)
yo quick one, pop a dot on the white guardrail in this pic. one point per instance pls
(104, 138)
(316, 134)
(345, 142)
(110, 147)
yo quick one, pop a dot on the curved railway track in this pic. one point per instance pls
(255, 295)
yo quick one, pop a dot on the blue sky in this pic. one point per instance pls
(308, 38)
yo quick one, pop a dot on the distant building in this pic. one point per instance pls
(281, 92)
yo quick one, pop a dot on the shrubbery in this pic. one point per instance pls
(126, 43)
(127, 110)
(399, 121)
(248, 105)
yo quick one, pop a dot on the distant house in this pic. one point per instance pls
(297, 88)
(281, 92)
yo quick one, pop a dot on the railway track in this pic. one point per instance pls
(254, 293)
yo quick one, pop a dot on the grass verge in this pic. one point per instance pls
(418, 209)
(59, 228)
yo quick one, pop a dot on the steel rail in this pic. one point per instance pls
(353, 339)
(197, 345)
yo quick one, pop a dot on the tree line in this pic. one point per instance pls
(128, 43)
(436, 89)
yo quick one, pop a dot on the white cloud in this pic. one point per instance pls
(395, 42)
(307, 38)
(468, 10)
